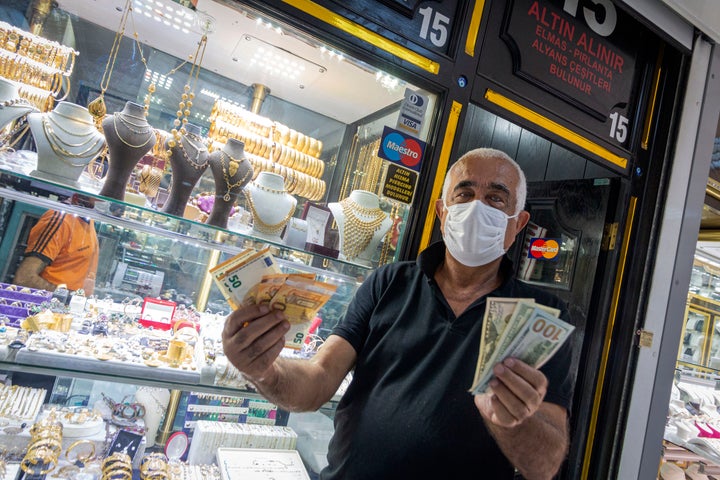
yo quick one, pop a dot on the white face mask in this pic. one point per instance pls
(475, 233)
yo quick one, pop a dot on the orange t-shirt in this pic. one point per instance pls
(68, 244)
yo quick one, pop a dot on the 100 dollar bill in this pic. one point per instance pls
(498, 311)
(535, 343)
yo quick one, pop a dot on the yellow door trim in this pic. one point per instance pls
(358, 31)
(608, 336)
(442, 167)
(474, 27)
(551, 126)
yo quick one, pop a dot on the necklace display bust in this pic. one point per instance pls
(155, 401)
(129, 136)
(12, 106)
(231, 171)
(66, 141)
(361, 224)
(189, 160)
(270, 204)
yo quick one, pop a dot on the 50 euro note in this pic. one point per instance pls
(535, 343)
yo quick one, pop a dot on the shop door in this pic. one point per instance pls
(561, 251)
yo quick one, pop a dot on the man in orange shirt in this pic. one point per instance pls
(62, 249)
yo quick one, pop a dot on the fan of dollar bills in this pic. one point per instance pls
(519, 328)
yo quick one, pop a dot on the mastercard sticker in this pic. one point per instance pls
(544, 248)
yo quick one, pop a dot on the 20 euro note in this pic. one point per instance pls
(534, 344)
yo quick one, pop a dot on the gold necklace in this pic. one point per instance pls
(148, 131)
(55, 123)
(16, 102)
(267, 228)
(358, 232)
(48, 127)
(151, 85)
(198, 150)
(268, 189)
(97, 107)
(230, 171)
(61, 152)
(188, 95)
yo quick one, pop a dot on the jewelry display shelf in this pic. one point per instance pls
(675, 450)
(14, 178)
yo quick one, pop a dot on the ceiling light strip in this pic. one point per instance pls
(474, 27)
(347, 26)
(556, 128)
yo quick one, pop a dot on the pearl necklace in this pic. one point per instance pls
(260, 225)
(230, 171)
(358, 232)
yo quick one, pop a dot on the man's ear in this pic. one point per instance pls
(522, 219)
(439, 206)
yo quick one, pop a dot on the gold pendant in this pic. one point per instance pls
(233, 168)
(97, 108)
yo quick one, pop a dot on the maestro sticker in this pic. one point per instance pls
(544, 248)
(401, 148)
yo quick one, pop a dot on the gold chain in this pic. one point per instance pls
(188, 94)
(267, 228)
(97, 107)
(61, 152)
(357, 232)
(151, 86)
(227, 173)
(147, 140)
(48, 127)
(55, 123)
(198, 150)
(268, 189)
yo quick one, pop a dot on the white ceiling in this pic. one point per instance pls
(340, 89)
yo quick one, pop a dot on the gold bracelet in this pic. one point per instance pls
(80, 458)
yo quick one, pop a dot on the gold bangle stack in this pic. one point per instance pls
(296, 182)
(44, 448)
(41, 67)
(117, 466)
(272, 147)
(36, 48)
(154, 467)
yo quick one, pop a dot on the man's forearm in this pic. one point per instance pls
(35, 281)
(293, 385)
(536, 447)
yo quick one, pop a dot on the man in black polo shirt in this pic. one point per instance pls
(411, 336)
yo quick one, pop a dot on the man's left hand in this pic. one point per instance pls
(516, 392)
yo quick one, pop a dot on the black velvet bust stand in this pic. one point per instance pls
(186, 170)
(225, 195)
(129, 137)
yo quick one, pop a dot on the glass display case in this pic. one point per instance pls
(700, 340)
(191, 135)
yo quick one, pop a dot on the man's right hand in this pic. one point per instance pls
(253, 338)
